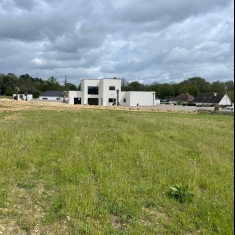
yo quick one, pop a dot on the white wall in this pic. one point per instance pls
(122, 96)
(89, 82)
(143, 98)
(156, 102)
(75, 94)
(50, 98)
(106, 94)
(225, 100)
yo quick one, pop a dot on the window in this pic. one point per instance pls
(111, 100)
(112, 88)
(93, 90)
(124, 100)
(93, 101)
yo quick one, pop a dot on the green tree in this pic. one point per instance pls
(135, 86)
(166, 90)
(8, 82)
(190, 89)
(231, 95)
(218, 86)
(229, 85)
(65, 81)
(8, 91)
(51, 85)
(201, 83)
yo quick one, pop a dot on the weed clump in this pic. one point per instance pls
(181, 193)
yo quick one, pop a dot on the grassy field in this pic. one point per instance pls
(6, 97)
(109, 172)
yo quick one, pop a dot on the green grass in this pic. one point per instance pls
(108, 172)
(6, 97)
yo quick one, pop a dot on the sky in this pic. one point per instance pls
(146, 41)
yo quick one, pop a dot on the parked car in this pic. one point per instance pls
(229, 109)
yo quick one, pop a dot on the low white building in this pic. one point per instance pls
(51, 95)
(157, 101)
(106, 92)
(23, 97)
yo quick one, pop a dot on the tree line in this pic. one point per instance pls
(10, 83)
(192, 86)
(27, 84)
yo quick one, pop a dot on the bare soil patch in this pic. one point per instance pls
(36, 105)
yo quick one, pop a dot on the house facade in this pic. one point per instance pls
(168, 99)
(212, 99)
(184, 98)
(51, 95)
(105, 92)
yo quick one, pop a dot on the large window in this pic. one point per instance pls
(112, 88)
(93, 101)
(111, 100)
(93, 90)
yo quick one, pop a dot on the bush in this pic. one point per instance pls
(216, 107)
(179, 102)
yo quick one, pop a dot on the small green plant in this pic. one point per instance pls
(65, 95)
(181, 193)
(179, 102)
(17, 89)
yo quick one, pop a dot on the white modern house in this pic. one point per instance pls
(106, 91)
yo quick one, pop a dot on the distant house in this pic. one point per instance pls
(212, 99)
(167, 99)
(51, 95)
(184, 98)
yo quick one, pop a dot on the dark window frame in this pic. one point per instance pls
(124, 100)
(111, 100)
(112, 88)
(93, 90)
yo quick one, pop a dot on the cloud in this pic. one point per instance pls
(153, 41)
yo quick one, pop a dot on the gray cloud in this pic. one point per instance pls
(153, 41)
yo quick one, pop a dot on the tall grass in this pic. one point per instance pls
(108, 172)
